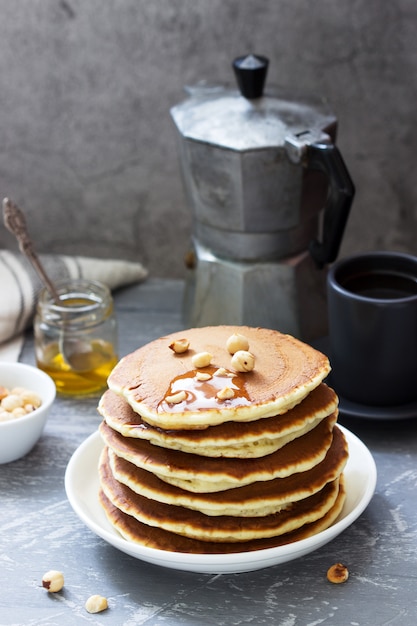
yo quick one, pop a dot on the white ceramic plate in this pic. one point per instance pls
(81, 484)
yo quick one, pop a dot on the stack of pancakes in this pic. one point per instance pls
(207, 459)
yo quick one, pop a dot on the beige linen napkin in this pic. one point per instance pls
(20, 285)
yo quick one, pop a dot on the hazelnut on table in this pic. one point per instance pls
(53, 581)
(96, 604)
(337, 573)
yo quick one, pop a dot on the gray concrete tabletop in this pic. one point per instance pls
(39, 531)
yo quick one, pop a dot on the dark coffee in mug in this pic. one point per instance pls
(381, 285)
(372, 304)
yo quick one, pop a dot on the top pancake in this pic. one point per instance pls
(285, 372)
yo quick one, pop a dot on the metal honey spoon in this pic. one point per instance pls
(15, 222)
(78, 354)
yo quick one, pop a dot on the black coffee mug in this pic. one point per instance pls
(372, 305)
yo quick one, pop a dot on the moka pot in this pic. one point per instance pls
(270, 196)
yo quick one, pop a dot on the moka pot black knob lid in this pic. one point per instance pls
(250, 71)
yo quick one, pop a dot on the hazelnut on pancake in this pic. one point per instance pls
(158, 538)
(243, 440)
(254, 500)
(203, 474)
(166, 388)
(196, 525)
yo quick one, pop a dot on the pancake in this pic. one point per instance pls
(193, 473)
(286, 370)
(196, 525)
(231, 439)
(208, 451)
(157, 538)
(255, 500)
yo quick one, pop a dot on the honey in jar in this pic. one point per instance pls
(76, 336)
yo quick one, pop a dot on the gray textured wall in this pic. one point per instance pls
(87, 145)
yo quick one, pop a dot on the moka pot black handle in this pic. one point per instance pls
(326, 157)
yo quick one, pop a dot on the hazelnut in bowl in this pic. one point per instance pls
(26, 396)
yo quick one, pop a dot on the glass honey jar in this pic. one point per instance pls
(76, 336)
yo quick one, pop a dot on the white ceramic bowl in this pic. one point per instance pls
(18, 436)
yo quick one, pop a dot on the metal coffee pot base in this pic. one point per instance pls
(287, 295)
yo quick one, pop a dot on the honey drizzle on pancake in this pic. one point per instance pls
(202, 394)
